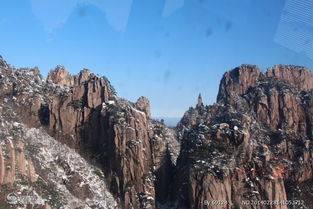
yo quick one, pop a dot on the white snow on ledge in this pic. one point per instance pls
(111, 102)
(138, 111)
(49, 151)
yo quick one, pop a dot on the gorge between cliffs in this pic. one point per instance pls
(69, 142)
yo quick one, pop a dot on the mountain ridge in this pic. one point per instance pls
(253, 144)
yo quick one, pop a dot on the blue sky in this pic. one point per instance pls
(167, 50)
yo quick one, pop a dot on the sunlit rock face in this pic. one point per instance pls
(76, 136)
(70, 142)
(255, 143)
(279, 98)
(113, 132)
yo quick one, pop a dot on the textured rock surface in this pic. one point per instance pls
(71, 107)
(36, 171)
(279, 98)
(72, 143)
(143, 104)
(113, 132)
(254, 144)
(61, 77)
(83, 112)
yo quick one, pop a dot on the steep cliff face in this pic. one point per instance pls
(113, 132)
(81, 95)
(72, 143)
(279, 98)
(83, 113)
(36, 171)
(255, 143)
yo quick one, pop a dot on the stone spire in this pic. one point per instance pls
(200, 103)
(3, 63)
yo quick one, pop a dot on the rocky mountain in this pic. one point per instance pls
(69, 141)
(253, 148)
(74, 144)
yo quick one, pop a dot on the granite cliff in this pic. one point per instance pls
(254, 144)
(71, 142)
(129, 151)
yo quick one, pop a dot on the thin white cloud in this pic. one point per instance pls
(117, 11)
(54, 14)
(171, 6)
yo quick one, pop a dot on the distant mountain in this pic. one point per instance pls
(169, 121)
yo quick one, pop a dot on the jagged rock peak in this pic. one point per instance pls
(239, 80)
(60, 76)
(255, 143)
(143, 104)
(296, 75)
(200, 102)
(3, 63)
(84, 75)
